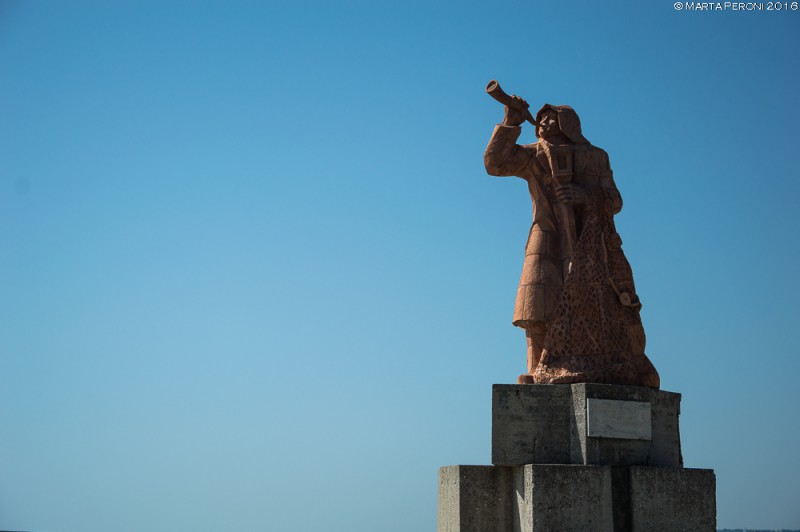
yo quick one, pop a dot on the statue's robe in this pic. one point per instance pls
(591, 335)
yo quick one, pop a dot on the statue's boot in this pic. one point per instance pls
(534, 335)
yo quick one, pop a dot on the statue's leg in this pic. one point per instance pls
(534, 334)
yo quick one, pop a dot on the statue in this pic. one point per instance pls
(576, 298)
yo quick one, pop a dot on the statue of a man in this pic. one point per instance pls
(576, 298)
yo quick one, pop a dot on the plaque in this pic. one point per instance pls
(628, 420)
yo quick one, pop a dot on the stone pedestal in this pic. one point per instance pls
(476, 498)
(597, 424)
(580, 457)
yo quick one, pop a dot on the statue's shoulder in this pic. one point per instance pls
(538, 146)
(592, 151)
(589, 147)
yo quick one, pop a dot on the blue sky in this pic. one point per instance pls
(255, 276)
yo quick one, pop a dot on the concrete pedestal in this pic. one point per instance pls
(476, 498)
(580, 457)
(552, 424)
(663, 499)
(546, 498)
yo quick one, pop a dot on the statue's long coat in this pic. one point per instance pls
(545, 259)
(591, 336)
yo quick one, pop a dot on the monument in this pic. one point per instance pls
(585, 440)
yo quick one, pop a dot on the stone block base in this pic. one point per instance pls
(585, 424)
(665, 499)
(562, 497)
(534, 498)
(475, 498)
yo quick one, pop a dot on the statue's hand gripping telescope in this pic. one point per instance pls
(493, 89)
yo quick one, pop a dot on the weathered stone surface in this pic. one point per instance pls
(530, 424)
(546, 498)
(564, 498)
(672, 500)
(475, 499)
(576, 298)
(664, 447)
(625, 420)
(548, 424)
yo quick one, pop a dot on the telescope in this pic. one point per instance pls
(493, 89)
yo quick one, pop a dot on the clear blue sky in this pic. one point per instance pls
(255, 277)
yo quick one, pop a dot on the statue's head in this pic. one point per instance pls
(559, 119)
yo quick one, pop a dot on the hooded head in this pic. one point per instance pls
(568, 122)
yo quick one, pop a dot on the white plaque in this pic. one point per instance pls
(629, 420)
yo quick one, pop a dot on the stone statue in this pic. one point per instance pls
(576, 298)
